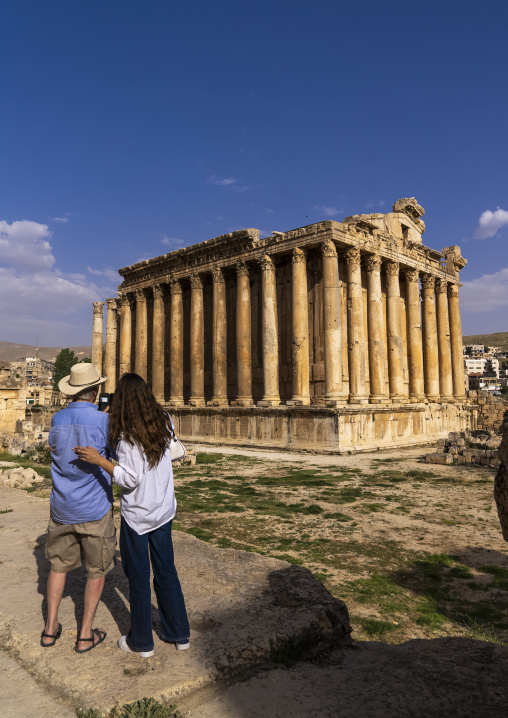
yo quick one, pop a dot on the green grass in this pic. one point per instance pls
(373, 627)
(6, 511)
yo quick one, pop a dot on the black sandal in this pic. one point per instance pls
(48, 635)
(101, 634)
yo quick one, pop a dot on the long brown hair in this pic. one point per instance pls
(138, 418)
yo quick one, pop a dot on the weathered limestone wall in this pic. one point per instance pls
(487, 411)
(321, 429)
(12, 398)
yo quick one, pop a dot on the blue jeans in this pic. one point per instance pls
(134, 550)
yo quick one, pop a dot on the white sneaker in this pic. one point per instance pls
(182, 645)
(122, 643)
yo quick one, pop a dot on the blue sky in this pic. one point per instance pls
(129, 129)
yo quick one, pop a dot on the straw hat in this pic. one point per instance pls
(83, 376)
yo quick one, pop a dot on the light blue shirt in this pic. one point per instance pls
(81, 491)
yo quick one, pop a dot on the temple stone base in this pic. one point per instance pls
(321, 429)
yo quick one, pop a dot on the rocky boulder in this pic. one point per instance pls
(20, 478)
(501, 483)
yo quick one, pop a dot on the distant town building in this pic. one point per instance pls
(477, 366)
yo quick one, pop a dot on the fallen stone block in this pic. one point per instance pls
(439, 459)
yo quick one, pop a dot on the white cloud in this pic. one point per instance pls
(24, 245)
(36, 298)
(490, 223)
(485, 293)
(59, 219)
(328, 211)
(375, 204)
(108, 272)
(269, 210)
(173, 242)
(221, 181)
(229, 182)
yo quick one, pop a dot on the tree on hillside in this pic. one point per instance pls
(489, 368)
(469, 351)
(63, 363)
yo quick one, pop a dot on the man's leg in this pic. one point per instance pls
(55, 589)
(93, 592)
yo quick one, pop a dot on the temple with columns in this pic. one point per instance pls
(334, 336)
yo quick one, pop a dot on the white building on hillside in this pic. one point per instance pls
(477, 365)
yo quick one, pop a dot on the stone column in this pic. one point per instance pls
(219, 341)
(394, 334)
(375, 324)
(141, 343)
(111, 349)
(125, 334)
(430, 351)
(414, 337)
(270, 338)
(332, 329)
(97, 334)
(443, 342)
(356, 340)
(459, 391)
(300, 328)
(158, 331)
(197, 343)
(176, 385)
(243, 337)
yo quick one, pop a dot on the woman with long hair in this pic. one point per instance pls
(140, 431)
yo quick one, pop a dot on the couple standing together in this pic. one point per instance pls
(137, 433)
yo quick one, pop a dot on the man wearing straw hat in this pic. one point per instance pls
(81, 523)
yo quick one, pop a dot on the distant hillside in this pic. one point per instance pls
(16, 352)
(499, 339)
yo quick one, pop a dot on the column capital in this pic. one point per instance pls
(328, 248)
(453, 290)
(441, 285)
(174, 286)
(111, 303)
(140, 295)
(241, 269)
(196, 282)
(218, 275)
(266, 263)
(392, 268)
(299, 255)
(411, 275)
(428, 282)
(98, 307)
(158, 292)
(124, 300)
(353, 257)
(373, 263)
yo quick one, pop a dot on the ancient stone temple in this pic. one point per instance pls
(333, 336)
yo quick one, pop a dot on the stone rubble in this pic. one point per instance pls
(467, 447)
(19, 478)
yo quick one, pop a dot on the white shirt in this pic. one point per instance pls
(148, 495)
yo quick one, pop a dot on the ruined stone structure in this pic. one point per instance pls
(331, 336)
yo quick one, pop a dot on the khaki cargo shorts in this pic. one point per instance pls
(93, 541)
